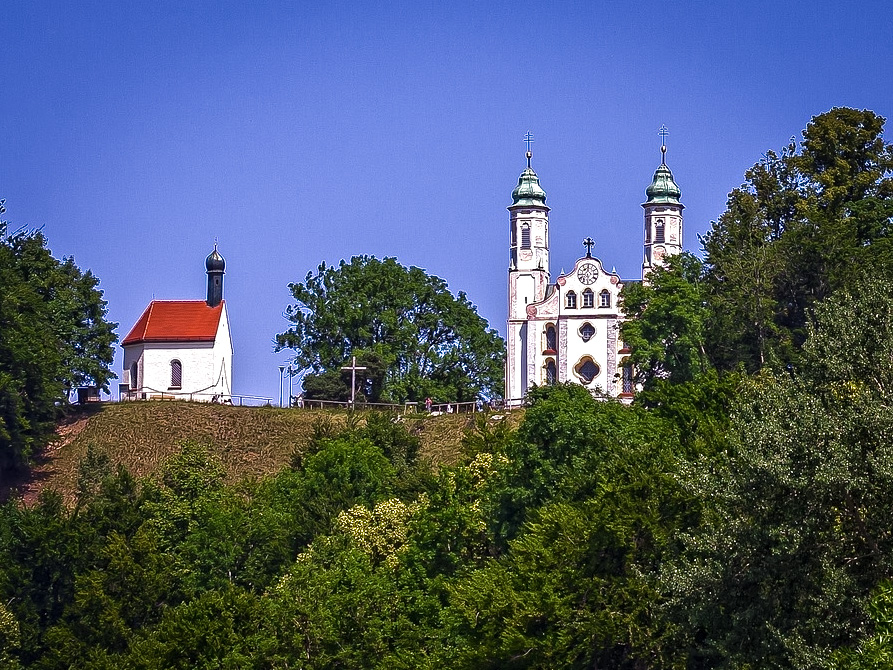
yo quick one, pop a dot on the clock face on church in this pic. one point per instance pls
(587, 274)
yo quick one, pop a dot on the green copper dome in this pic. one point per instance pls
(663, 190)
(528, 192)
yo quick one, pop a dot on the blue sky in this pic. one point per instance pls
(134, 133)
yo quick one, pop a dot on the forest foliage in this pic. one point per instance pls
(739, 514)
(54, 336)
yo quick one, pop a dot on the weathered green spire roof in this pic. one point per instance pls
(528, 192)
(663, 190)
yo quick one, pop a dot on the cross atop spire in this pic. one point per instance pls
(588, 243)
(528, 138)
(663, 132)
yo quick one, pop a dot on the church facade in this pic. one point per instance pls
(568, 330)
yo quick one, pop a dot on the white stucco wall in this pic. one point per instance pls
(206, 366)
(527, 352)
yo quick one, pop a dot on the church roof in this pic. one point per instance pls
(663, 189)
(176, 321)
(214, 262)
(528, 192)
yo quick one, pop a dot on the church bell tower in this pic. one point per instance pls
(663, 215)
(215, 266)
(528, 269)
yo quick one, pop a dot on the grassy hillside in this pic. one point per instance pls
(250, 441)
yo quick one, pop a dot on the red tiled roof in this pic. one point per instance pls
(176, 321)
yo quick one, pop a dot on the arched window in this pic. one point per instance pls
(525, 235)
(588, 298)
(627, 371)
(134, 372)
(551, 340)
(647, 232)
(659, 231)
(587, 370)
(551, 372)
(176, 374)
(570, 301)
(604, 298)
(587, 330)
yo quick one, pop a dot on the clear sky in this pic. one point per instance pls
(135, 133)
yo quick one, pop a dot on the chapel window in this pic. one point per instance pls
(134, 371)
(604, 298)
(176, 374)
(588, 298)
(587, 330)
(571, 300)
(551, 372)
(551, 344)
(659, 231)
(525, 236)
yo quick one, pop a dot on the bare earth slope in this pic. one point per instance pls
(250, 441)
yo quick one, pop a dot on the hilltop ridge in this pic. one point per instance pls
(251, 442)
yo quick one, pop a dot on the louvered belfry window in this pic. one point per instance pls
(176, 374)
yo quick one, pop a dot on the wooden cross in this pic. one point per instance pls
(353, 367)
(588, 243)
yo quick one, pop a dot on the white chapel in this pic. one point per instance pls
(568, 329)
(182, 348)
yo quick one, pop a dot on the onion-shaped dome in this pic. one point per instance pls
(214, 262)
(528, 192)
(663, 190)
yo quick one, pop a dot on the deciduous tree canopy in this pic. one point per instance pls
(807, 221)
(53, 337)
(414, 337)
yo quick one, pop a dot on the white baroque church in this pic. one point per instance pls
(569, 329)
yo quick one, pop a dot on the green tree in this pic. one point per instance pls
(584, 508)
(9, 639)
(805, 488)
(667, 325)
(53, 337)
(413, 335)
(806, 222)
(875, 652)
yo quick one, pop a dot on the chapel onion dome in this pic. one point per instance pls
(528, 192)
(214, 262)
(663, 190)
